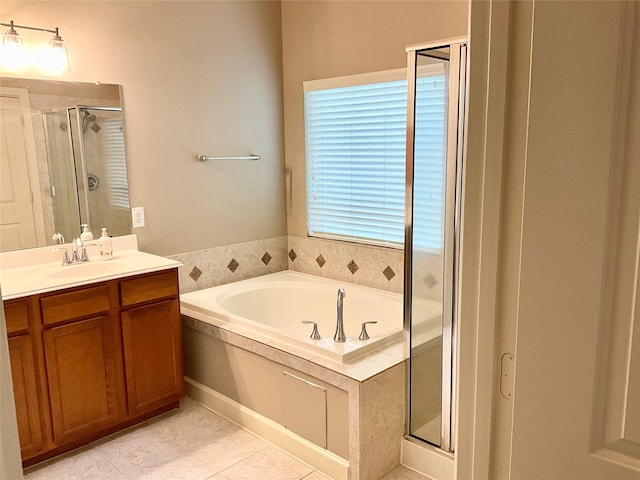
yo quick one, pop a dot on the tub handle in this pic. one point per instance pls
(363, 333)
(315, 335)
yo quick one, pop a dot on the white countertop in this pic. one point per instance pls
(39, 270)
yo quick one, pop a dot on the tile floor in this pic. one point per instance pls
(191, 443)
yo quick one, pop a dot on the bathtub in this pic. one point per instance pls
(275, 306)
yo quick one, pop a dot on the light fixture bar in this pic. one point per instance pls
(13, 26)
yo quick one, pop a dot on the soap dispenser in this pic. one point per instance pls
(106, 247)
(86, 234)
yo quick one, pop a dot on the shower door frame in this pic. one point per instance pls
(457, 89)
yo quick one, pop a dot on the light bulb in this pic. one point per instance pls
(13, 55)
(54, 59)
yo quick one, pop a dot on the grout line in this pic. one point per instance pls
(110, 463)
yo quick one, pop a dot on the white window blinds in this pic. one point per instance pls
(116, 163)
(355, 154)
(429, 162)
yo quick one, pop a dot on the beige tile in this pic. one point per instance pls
(181, 468)
(317, 369)
(316, 476)
(298, 352)
(228, 447)
(148, 454)
(372, 258)
(85, 465)
(382, 412)
(354, 464)
(276, 352)
(354, 423)
(190, 426)
(368, 277)
(269, 464)
(403, 473)
(218, 476)
(365, 367)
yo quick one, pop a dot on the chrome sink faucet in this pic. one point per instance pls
(79, 251)
(339, 335)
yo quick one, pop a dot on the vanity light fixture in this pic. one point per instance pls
(13, 56)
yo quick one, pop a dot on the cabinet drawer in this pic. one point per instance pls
(16, 315)
(79, 303)
(149, 287)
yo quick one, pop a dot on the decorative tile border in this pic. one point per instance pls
(375, 267)
(231, 263)
(195, 274)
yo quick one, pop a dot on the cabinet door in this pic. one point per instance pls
(82, 378)
(25, 391)
(152, 339)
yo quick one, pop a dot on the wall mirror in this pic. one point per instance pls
(62, 160)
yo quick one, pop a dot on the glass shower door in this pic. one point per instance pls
(62, 173)
(436, 84)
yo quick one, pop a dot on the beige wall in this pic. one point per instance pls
(329, 39)
(198, 77)
(206, 77)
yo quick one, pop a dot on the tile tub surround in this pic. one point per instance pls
(375, 267)
(369, 266)
(374, 386)
(231, 263)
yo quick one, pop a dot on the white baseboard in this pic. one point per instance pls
(426, 460)
(328, 463)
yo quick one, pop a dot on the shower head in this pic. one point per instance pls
(89, 117)
(86, 120)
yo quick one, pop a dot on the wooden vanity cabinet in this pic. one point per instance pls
(91, 360)
(152, 340)
(82, 351)
(18, 318)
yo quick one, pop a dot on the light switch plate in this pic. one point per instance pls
(137, 217)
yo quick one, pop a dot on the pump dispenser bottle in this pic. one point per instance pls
(86, 234)
(106, 247)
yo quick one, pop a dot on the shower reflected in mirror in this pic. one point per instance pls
(87, 168)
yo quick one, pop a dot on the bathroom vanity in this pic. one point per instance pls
(92, 350)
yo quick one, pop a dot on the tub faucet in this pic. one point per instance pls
(339, 335)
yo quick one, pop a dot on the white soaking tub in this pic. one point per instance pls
(275, 305)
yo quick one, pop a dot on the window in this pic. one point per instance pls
(116, 163)
(355, 152)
